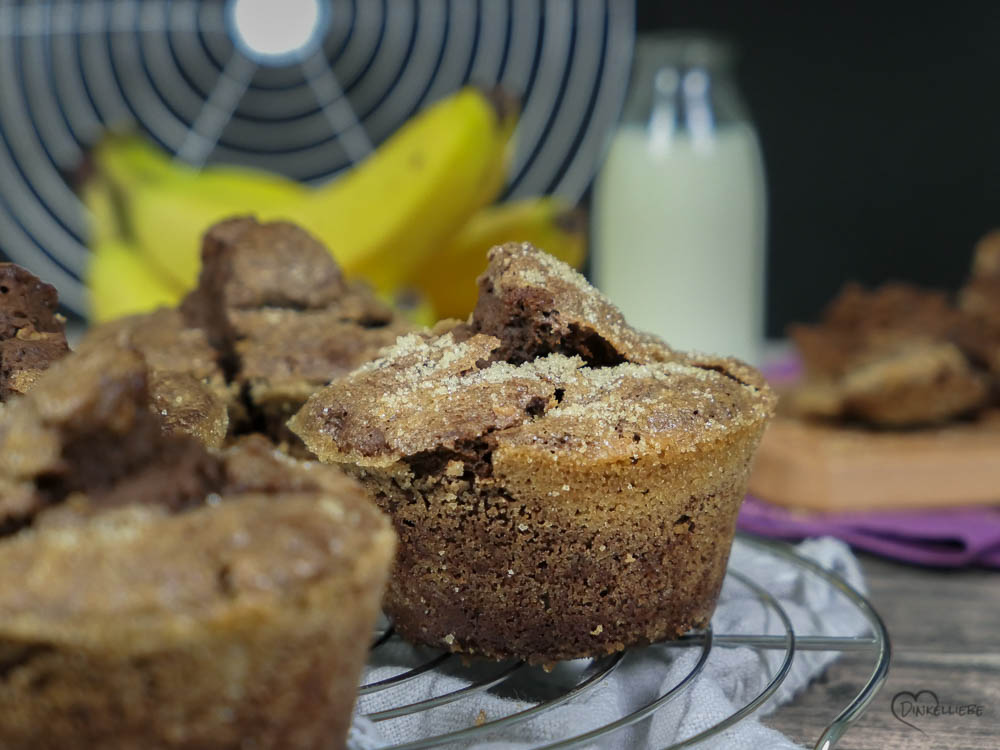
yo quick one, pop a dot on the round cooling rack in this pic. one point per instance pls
(214, 81)
(556, 690)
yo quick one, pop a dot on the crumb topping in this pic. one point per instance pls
(544, 361)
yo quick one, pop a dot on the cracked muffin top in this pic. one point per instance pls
(85, 441)
(545, 363)
(273, 302)
(32, 333)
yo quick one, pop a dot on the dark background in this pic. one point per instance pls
(880, 126)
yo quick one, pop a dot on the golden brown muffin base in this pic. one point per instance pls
(630, 553)
(288, 682)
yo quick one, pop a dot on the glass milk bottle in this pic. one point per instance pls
(680, 203)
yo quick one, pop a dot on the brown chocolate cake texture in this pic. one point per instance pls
(562, 485)
(285, 322)
(32, 332)
(187, 386)
(159, 595)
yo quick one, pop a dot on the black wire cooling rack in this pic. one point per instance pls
(485, 677)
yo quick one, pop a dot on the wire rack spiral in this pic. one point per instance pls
(483, 678)
(69, 69)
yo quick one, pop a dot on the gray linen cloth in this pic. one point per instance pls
(731, 677)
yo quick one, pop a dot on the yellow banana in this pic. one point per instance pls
(167, 205)
(104, 214)
(132, 159)
(387, 215)
(135, 162)
(448, 278)
(380, 220)
(508, 110)
(167, 226)
(121, 283)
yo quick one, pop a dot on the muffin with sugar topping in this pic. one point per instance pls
(562, 485)
(157, 594)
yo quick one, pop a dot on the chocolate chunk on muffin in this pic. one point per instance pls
(32, 333)
(536, 305)
(158, 595)
(274, 304)
(562, 485)
(895, 356)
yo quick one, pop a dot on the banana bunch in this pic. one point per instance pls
(415, 215)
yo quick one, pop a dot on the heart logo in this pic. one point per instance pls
(906, 705)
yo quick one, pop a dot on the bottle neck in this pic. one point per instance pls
(682, 84)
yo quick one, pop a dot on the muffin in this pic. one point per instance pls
(562, 485)
(159, 595)
(285, 322)
(32, 332)
(896, 356)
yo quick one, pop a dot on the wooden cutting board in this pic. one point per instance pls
(825, 468)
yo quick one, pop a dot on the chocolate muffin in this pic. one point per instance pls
(274, 304)
(32, 332)
(896, 356)
(562, 485)
(158, 595)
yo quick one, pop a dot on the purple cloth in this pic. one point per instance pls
(951, 537)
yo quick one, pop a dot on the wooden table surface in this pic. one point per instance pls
(945, 632)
